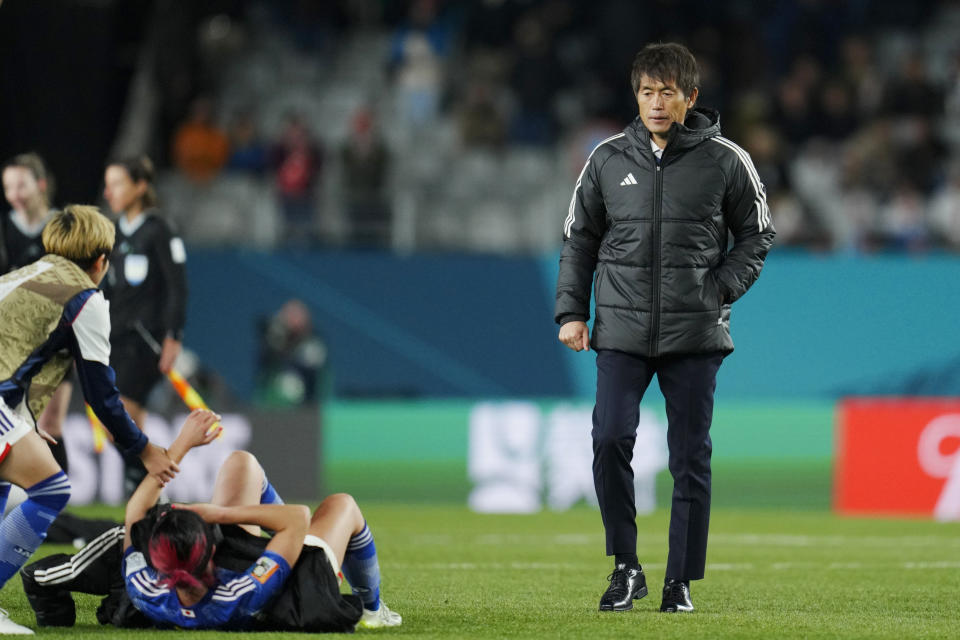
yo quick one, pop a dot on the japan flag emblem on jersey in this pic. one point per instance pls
(264, 568)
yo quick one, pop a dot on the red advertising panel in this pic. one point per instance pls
(898, 457)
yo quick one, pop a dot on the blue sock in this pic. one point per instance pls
(22, 531)
(4, 494)
(269, 495)
(361, 569)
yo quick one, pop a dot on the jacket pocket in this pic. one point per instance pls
(712, 289)
(718, 235)
(597, 281)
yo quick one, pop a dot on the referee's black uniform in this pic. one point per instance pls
(19, 247)
(147, 290)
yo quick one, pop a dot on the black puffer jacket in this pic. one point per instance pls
(656, 238)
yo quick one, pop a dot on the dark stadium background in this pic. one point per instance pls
(450, 308)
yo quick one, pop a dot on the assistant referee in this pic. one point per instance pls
(146, 287)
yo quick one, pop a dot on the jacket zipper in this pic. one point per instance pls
(657, 204)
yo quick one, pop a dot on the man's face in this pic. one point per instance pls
(661, 104)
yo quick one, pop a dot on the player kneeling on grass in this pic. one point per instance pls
(205, 566)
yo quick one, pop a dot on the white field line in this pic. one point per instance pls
(719, 566)
(780, 540)
(723, 539)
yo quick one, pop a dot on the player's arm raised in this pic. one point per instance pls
(195, 432)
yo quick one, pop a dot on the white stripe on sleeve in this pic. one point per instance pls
(763, 210)
(568, 223)
(92, 329)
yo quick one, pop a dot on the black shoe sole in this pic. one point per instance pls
(641, 593)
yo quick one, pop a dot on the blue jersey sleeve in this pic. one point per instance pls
(155, 601)
(231, 605)
(88, 315)
(251, 591)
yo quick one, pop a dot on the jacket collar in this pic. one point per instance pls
(129, 227)
(701, 123)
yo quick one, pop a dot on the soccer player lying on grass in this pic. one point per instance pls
(182, 569)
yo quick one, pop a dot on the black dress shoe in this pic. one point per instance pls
(676, 597)
(626, 585)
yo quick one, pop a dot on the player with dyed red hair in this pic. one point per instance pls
(169, 551)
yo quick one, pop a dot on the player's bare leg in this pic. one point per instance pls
(53, 417)
(29, 464)
(239, 482)
(336, 520)
(339, 522)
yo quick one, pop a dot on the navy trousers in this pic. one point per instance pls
(687, 383)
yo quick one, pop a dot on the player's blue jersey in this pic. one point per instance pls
(233, 603)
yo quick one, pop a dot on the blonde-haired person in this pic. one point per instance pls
(146, 287)
(28, 187)
(52, 314)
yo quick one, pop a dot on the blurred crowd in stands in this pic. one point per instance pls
(850, 110)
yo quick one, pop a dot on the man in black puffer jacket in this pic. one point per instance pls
(648, 224)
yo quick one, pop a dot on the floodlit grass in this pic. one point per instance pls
(771, 574)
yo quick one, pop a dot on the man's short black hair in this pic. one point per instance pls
(667, 62)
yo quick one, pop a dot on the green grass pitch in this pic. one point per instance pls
(770, 574)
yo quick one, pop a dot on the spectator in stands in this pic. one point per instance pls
(481, 117)
(535, 81)
(861, 75)
(855, 215)
(416, 59)
(919, 153)
(296, 159)
(870, 157)
(944, 212)
(836, 118)
(248, 152)
(765, 147)
(911, 92)
(903, 218)
(365, 162)
(952, 101)
(200, 149)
